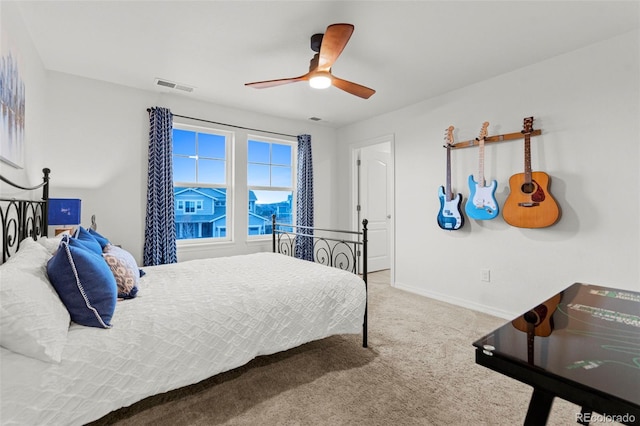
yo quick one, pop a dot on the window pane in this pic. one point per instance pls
(263, 204)
(281, 154)
(184, 169)
(184, 142)
(258, 152)
(200, 157)
(280, 176)
(200, 213)
(269, 165)
(211, 171)
(258, 175)
(211, 146)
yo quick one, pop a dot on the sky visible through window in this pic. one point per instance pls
(198, 157)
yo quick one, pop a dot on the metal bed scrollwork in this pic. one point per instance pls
(23, 218)
(346, 250)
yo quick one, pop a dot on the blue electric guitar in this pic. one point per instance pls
(450, 216)
(482, 204)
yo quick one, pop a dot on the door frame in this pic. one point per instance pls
(355, 149)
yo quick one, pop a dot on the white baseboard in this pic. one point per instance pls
(458, 302)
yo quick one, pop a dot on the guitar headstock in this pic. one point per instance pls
(448, 136)
(527, 125)
(483, 131)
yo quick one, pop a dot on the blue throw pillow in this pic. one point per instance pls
(102, 240)
(84, 283)
(88, 240)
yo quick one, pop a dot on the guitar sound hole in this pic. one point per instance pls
(531, 317)
(528, 188)
(537, 315)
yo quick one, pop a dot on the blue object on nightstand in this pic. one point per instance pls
(64, 211)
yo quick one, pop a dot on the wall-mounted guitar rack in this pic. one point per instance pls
(496, 138)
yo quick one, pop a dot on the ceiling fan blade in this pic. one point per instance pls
(279, 82)
(333, 42)
(353, 88)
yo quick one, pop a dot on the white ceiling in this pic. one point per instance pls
(407, 51)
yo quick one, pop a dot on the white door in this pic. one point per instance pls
(375, 200)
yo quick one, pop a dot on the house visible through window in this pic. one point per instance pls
(270, 181)
(201, 182)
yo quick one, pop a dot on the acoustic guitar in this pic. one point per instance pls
(482, 204)
(450, 216)
(539, 318)
(529, 203)
(537, 322)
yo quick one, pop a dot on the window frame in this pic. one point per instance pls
(292, 189)
(228, 186)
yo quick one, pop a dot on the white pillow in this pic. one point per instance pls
(33, 320)
(50, 243)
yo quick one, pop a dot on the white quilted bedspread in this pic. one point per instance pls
(190, 321)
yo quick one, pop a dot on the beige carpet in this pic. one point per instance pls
(418, 370)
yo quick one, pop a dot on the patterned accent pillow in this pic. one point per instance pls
(125, 270)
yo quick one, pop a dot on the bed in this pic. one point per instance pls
(187, 322)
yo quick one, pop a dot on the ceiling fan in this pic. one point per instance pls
(328, 47)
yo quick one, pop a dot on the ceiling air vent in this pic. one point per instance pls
(173, 85)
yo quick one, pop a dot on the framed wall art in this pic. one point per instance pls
(12, 110)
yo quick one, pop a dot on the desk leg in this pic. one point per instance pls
(539, 408)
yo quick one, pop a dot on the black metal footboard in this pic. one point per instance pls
(346, 250)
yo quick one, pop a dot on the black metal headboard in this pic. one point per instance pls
(23, 218)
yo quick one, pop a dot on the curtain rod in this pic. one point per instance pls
(231, 125)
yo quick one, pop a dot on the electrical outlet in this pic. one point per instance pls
(485, 275)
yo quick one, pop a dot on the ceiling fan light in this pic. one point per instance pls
(320, 81)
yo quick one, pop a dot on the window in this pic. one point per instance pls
(204, 184)
(201, 176)
(270, 181)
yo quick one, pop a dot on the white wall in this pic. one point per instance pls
(587, 105)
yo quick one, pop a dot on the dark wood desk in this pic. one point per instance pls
(582, 345)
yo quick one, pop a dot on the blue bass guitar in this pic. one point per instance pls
(450, 216)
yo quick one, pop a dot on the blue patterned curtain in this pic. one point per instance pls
(160, 225)
(304, 198)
